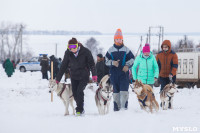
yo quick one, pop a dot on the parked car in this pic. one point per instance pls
(32, 65)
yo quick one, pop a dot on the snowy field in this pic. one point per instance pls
(25, 107)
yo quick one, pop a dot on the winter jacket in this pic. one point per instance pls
(80, 66)
(102, 70)
(145, 69)
(44, 64)
(126, 57)
(9, 67)
(167, 61)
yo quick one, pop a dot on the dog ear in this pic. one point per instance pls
(140, 82)
(108, 81)
(100, 85)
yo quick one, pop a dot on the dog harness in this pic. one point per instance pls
(170, 97)
(61, 92)
(143, 101)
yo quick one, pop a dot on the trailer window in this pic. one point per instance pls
(191, 64)
(185, 66)
(179, 66)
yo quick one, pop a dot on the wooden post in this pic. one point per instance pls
(51, 79)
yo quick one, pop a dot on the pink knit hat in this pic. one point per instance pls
(146, 48)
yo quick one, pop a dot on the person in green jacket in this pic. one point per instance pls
(9, 67)
(145, 67)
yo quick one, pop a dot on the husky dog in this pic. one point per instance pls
(103, 95)
(64, 91)
(166, 96)
(145, 96)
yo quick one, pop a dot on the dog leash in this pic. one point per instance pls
(170, 80)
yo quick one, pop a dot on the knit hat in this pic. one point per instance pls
(147, 44)
(100, 55)
(146, 49)
(118, 34)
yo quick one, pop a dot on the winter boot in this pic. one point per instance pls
(116, 100)
(169, 105)
(80, 113)
(124, 99)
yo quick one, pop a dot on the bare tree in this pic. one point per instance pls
(184, 45)
(93, 46)
(11, 38)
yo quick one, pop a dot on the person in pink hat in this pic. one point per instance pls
(145, 67)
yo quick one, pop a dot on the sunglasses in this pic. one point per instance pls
(72, 46)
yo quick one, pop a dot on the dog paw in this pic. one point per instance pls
(66, 114)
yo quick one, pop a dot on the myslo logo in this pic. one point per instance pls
(185, 129)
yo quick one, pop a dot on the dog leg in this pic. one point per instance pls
(108, 105)
(101, 108)
(166, 105)
(163, 104)
(171, 102)
(72, 105)
(156, 105)
(66, 107)
(145, 108)
(98, 104)
(151, 108)
(104, 109)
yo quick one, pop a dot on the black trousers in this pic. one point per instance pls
(78, 87)
(165, 81)
(45, 75)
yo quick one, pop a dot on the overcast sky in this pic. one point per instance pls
(103, 15)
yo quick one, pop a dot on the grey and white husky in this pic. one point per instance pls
(103, 95)
(64, 91)
(167, 95)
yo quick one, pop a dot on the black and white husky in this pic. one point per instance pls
(103, 95)
(64, 91)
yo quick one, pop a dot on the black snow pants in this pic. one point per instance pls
(78, 87)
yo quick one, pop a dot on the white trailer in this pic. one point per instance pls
(188, 72)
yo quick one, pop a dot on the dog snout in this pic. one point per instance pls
(49, 91)
(132, 90)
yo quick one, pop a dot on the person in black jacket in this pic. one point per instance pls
(44, 63)
(55, 66)
(79, 59)
(101, 68)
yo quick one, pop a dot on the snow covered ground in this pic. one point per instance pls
(25, 107)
